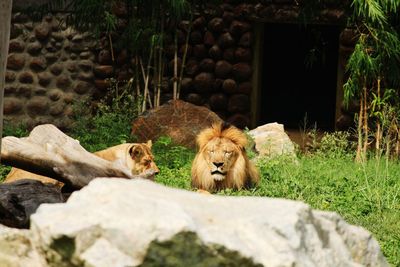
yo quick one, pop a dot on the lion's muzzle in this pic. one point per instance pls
(217, 171)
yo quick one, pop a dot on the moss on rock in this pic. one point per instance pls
(186, 249)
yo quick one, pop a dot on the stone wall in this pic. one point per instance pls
(50, 66)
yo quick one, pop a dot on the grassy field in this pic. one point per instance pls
(326, 178)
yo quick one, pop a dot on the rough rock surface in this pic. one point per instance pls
(180, 120)
(17, 249)
(115, 222)
(271, 140)
(20, 199)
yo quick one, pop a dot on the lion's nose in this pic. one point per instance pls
(218, 164)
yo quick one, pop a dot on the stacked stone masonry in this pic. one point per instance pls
(50, 66)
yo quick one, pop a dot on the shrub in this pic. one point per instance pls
(111, 123)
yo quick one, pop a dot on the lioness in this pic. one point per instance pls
(222, 161)
(135, 156)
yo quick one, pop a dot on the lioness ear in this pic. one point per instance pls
(149, 143)
(134, 153)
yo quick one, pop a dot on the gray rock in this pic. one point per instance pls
(17, 249)
(34, 48)
(128, 222)
(37, 105)
(42, 31)
(271, 140)
(15, 61)
(12, 105)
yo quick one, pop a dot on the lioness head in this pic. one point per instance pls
(142, 158)
(222, 161)
(135, 156)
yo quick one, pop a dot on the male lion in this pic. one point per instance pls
(135, 156)
(222, 161)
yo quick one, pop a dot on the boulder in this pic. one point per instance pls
(115, 222)
(17, 249)
(20, 199)
(177, 119)
(271, 140)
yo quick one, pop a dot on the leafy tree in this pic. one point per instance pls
(373, 70)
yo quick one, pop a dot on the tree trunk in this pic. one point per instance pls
(48, 151)
(5, 24)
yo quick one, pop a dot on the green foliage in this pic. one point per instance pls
(377, 52)
(111, 123)
(336, 145)
(17, 130)
(171, 155)
(174, 163)
(370, 10)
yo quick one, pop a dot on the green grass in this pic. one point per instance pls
(326, 178)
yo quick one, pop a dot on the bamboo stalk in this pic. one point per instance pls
(175, 90)
(146, 75)
(378, 135)
(155, 78)
(365, 123)
(359, 131)
(160, 75)
(111, 47)
(143, 109)
(138, 92)
(184, 60)
(160, 64)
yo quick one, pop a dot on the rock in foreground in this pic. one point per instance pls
(129, 222)
(115, 222)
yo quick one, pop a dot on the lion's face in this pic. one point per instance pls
(220, 154)
(222, 161)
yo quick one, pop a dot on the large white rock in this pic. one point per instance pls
(113, 222)
(17, 249)
(271, 140)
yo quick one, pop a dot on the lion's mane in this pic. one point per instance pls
(242, 172)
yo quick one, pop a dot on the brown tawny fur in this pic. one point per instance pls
(221, 161)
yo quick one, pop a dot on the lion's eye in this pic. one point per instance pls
(228, 153)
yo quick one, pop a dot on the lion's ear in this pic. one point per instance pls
(149, 143)
(133, 152)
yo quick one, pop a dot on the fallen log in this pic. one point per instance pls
(48, 151)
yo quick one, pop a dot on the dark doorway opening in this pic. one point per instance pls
(299, 75)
